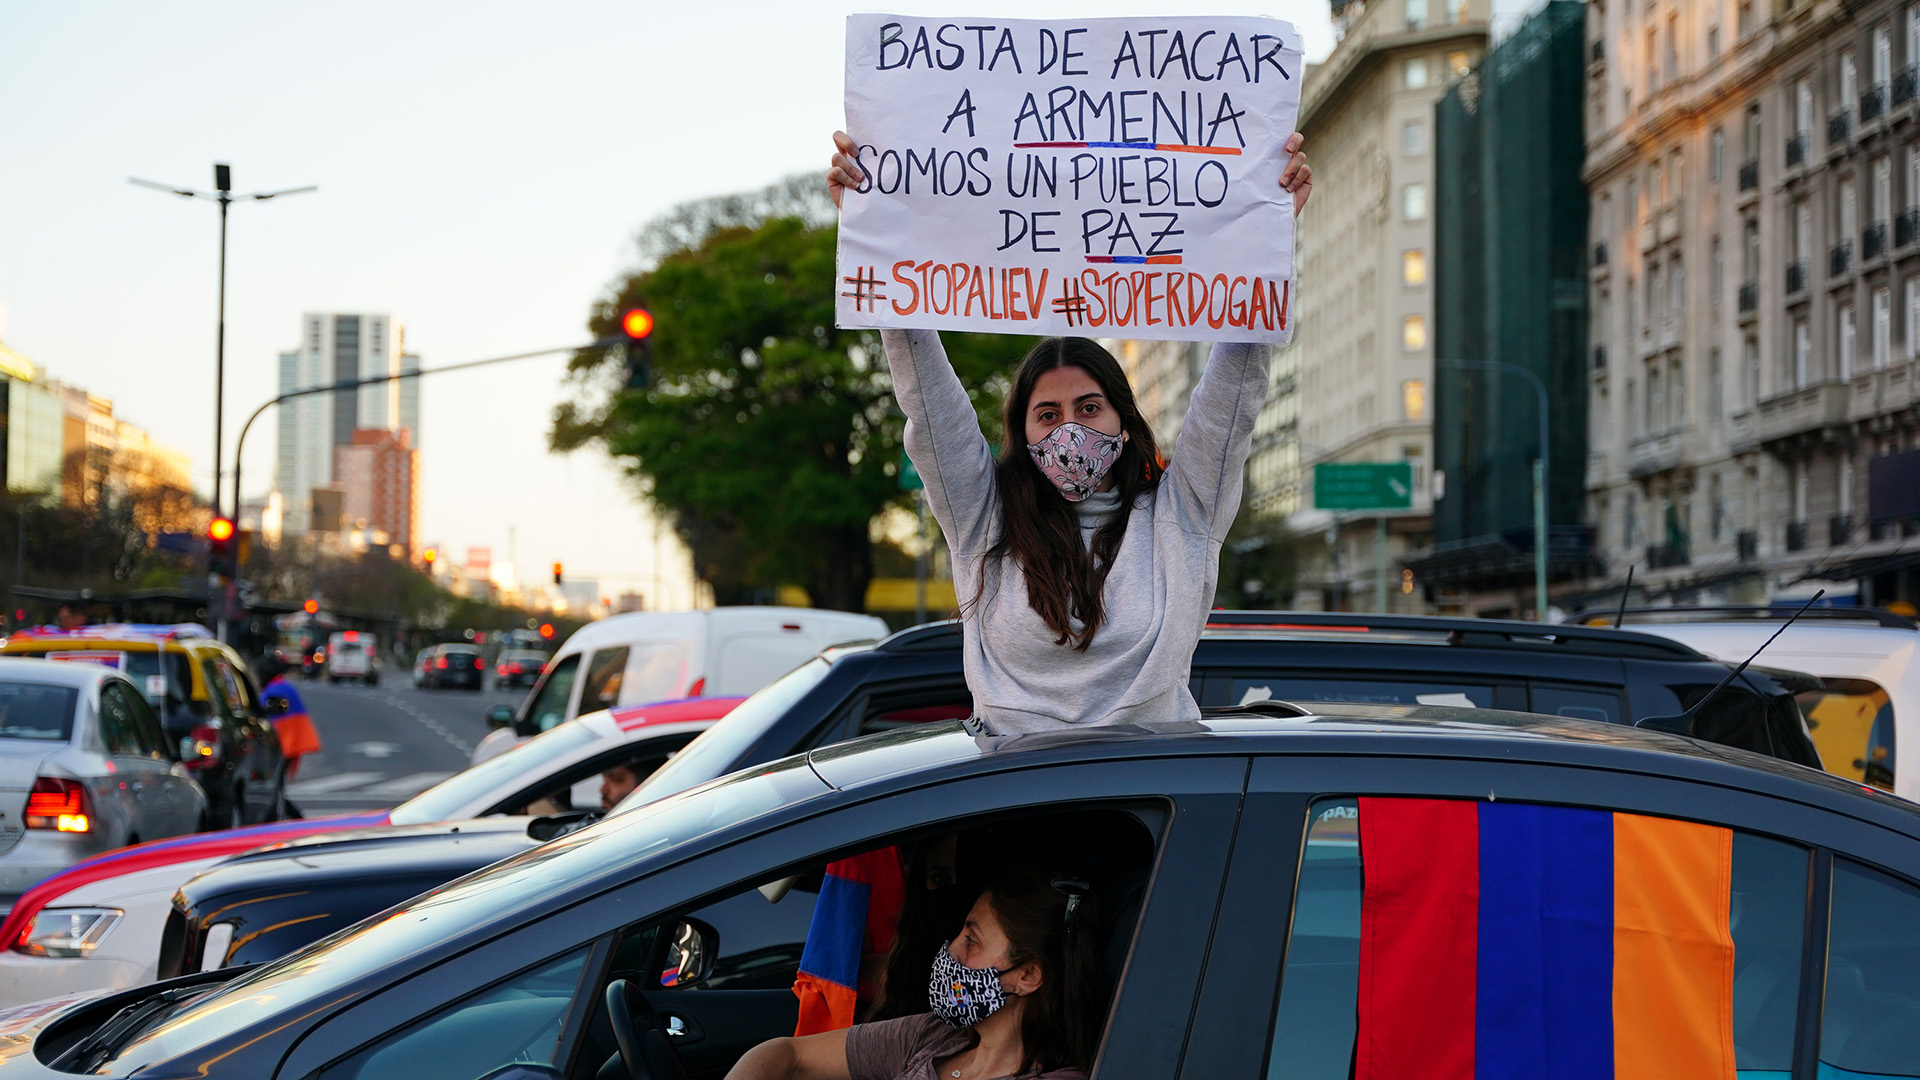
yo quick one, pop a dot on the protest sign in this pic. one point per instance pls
(1094, 177)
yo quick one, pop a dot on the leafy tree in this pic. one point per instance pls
(766, 434)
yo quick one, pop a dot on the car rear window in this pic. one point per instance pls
(36, 711)
(1851, 721)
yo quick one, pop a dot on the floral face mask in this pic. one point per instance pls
(1076, 458)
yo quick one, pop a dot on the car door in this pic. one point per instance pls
(1192, 805)
(134, 784)
(1657, 926)
(180, 800)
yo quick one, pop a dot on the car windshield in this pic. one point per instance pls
(524, 764)
(36, 711)
(717, 748)
(523, 887)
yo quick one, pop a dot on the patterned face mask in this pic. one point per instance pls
(1076, 458)
(960, 995)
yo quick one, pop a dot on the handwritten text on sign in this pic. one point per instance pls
(1096, 177)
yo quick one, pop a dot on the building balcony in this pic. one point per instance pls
(1796, 536)
(1664, 556)
(1906, 85)
(1840, 259)
(1815, 408)
(1887, 392)
(1747, 544)
(1749, 175)
(1600, 254)
(1873, 103)
(1796, 154)
(1656, 453)
(1669, 222)
(1598, 53)
(1906, 227)
(1840, 530)
(1599, 358)
(1873, 241)
(1750, 296)
(1796, 276)
(1840, 127)
(1650, 233)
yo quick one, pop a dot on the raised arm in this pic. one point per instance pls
(808, 1057)
(1210, 461)
(943, 439)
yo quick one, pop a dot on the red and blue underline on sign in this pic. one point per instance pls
(1171, 148)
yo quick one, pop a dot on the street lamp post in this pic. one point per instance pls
(1540, 472)
(223, 194)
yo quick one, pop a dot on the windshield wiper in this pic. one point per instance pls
(89, 1053)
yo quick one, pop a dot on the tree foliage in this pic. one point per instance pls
(767, 435)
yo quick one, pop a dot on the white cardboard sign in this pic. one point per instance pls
(1093, 177)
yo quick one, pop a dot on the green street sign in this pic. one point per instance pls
(1363, 485)
(909, 476)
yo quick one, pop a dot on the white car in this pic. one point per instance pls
(1869, 707)
(85, 767)
(98, 925)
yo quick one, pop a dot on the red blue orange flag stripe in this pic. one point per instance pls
(1501, 941)
(859, 903)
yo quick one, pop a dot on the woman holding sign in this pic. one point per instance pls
(1086, 561)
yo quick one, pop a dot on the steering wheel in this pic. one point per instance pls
(644, 1047)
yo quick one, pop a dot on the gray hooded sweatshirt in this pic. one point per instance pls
(1160, 588)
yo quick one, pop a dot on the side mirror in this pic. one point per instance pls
(500, 716)
(278, 706)
(693, 948)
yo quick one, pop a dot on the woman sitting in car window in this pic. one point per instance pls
(1021, 992)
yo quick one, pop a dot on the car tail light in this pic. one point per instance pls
(500, 669)
(203, 747)
(479, 664)
(54, 803)
(441, 663)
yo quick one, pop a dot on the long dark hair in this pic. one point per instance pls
(1061, 1026)
(1039, 530)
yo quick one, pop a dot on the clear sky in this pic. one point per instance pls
(482, 167)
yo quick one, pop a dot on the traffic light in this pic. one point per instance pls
(311, 607)
(546, 630)
(430, 556)
(220, 547)
(556, 573)
(637, 324)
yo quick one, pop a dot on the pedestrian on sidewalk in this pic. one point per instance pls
(1086, 562)
(298, 736)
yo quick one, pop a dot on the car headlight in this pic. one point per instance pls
(67, 931)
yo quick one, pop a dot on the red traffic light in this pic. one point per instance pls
(220, 530)
(636, 323)
(546, 629)
(311, 607)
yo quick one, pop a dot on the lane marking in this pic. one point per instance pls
(406, 787)
(320, 785)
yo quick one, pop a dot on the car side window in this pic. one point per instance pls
(1245, 689)
(549, 705)
(885, 712)
(146, 726)
(1579, 702)
(1870, 1024)
(516, 1020)
(1547, 925)
(216, 688)
(117, 728)
(604, 675)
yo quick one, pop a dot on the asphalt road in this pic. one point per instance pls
(382, 745)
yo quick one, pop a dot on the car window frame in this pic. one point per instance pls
(662, 747)
(1240, 994)
(153, 732)
(112, 696)
(1169, 940)
(593, 666)
(852, 714)
(524, 723)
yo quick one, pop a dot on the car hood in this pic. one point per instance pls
(180, 849)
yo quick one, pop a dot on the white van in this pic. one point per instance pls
(1870, 706)
(658, 656)
(353, 654)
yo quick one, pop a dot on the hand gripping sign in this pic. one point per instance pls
(1099, 177)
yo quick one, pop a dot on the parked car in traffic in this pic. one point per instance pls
(913, 678)
(550, 775)
(85, 767)
(518, 667)
(354, 655)
(206, 700)
(1866, 703)
(442, 666)
(656, 656)
(1760, 914)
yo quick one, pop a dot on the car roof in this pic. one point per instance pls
(1338, 728)
(643, 625)
(60, 673)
